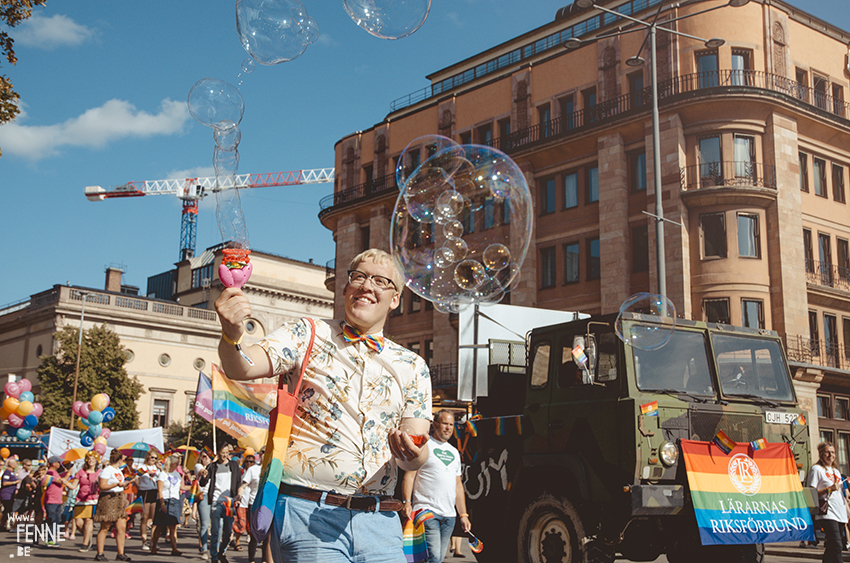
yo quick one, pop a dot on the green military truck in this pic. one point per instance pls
(589, 477)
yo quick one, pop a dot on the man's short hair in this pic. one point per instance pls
(381, 257)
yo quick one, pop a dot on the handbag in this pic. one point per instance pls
(823, 504)
(280, 426)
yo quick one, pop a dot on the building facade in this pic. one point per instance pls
(754, 156)
(169, 336)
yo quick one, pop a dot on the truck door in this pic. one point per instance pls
(537, 394)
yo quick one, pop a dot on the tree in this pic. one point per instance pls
(101, 371)
(178, 434)
(12, 12)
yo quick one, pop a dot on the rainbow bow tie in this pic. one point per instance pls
(351, 334)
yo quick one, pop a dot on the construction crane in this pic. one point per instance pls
(191, 190)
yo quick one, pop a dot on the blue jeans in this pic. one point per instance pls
(308, 532)
(438, 536)
(219, 538)
(204, 523)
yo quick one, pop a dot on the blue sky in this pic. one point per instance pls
(104, 87)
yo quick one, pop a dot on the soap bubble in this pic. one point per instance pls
(652, 331)
(225, 163)
(274, 31)
(227, 135)
(450, 253)
(409, 159)
(248, 66)
(212, 101)
(388, 19)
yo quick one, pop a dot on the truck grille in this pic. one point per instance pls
(739, 427)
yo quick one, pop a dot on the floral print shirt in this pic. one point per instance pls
(350, 398)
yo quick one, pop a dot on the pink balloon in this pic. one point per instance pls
(85, 410)
(37, 409)
(99, 448)
(13, 389)
(15, 421)
(106, 432)
(76, 407)
(26, 385)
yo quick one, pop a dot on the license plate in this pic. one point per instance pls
(775, 417)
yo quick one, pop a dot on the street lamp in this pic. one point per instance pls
(635, 61)
(83, 295)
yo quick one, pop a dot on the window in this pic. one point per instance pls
(846, 332)
(547, 267)
(469, 221)
(485, 134)
(640, 249)
(506, 212)
(825, 257)
(748, 235)
(466, 138)
(429, 351)
(821, 88)
(544, 112)
(819, 174)
(707, 69)
(571, 263)
(838, 100)
(571, 190)
(638, 96)
(713, 227)
(365, 234)
(804, 172)
(415, 303)
(842, 449)
(397, 312)
(710, 165)
(593, 262)
(745, 157)
(160, 413)
(567, 106)
(740, 66)
(802, 92)
(190, 405)
(164, 360)
(637, 171)
(589, 99)
(814, 332)
(843, 248)
(838, 183)
(505, 134)
(414, 347)
(547, 196)
(716, 310)
(540, 364)
(830, 338)
(593, 184)
(807, 250)
(752, 313)
(489, 212)
(824, 403)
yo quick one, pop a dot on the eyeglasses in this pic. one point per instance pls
(379, 283)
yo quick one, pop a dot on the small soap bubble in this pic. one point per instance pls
(452, 229)
(225, 163)
(409, 159)
(212, 101)
(456, 249)
(496, 256)
(470, 274)
(274, 31)
(227, 135)
(652, 332)
(248, 66)
(388, 19)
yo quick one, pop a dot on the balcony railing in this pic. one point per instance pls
(828, 275)
(735, 173)
(377, 186)
(444, 375)
(817, 352)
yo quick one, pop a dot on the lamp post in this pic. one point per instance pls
(83, 295)
(635, 61)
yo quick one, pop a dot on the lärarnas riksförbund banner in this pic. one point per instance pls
(746, 496)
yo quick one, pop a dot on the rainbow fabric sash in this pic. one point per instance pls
(413, 536)
(745, 499)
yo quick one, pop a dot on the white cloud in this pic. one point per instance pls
(51, 32)
(116, 119)
(196, 172)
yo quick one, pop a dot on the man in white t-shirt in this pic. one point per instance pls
(437, 487)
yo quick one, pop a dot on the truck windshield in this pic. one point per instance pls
(679, 365)
(751, 367)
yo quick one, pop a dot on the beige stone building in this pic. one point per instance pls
(755, 154)
(171, 334)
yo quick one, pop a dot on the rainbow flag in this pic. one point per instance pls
(759, 444)
(242, 408)
(746, 500)
(413, 536)
(475, 544)
(579, 356)
(193, 492)
(800, 420)
(471, 428)
(136, 507)
(650, 409)
(724, 442)
(228, 506)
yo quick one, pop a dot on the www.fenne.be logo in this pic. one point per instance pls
(28, 534)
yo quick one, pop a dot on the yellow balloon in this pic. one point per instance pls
(11, 404)
(99, 402)
(100, 440)
(80, 425)
(24, 408)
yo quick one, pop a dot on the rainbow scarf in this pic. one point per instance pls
(136, 507)
(351, 334)
(413, 536)
(743, 499)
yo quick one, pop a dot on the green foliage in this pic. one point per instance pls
(178, 434)
(102, 370)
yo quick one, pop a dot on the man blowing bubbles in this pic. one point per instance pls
(345, 446)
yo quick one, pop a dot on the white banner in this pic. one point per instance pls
(62, 440)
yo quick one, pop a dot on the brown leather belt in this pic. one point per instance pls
(351, 502)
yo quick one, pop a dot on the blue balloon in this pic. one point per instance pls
(87, 440)
(84, 421)
(95, 417)
(23, 434)
(11, 431)
(26, 396)
(94, 430)
(30, 421)
(108, 414)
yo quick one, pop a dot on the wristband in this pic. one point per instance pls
(464, 515)
(231, 342)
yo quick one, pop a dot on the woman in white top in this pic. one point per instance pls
(147, 490)
(826, 478)
(169, 484)
(112, 505)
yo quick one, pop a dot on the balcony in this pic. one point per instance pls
(356, 194)
(443, 376)
(330, 275)
(817, 352)
(732, 182)
(828, 275)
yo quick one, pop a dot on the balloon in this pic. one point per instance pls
(94, 430)
(37, 409)
(108, 400)
(76, 407)
(83, 422)
(24, 408)
(12, 389)
(95, 417)
(15, 421)
(99, 448)
(23, 434)
(26, 396)
(11, 404)
(99, 402)
(85, 410)
(100, 440)
(4, 452)
(105, 433)
(86, 440)
(30, 421)
(25, 384)
(108, 414)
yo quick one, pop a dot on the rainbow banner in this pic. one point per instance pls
(739, 499)
(650, 409)
(242, 409)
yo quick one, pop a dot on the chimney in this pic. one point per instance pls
(113, 279)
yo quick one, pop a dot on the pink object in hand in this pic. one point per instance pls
(236, 277)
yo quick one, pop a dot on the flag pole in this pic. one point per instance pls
(188, 441)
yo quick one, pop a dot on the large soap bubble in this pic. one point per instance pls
(461, 224)
(274, 31)
(646, 333)
(212, 101)
(388, 19)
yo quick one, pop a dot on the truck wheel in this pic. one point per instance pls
(550, 531)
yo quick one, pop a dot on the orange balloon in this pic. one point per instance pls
(4, 452)
(24, 408)
(11, 404)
